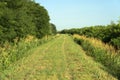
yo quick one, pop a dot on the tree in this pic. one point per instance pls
(40, 18)
(19, 18)
(53, 28)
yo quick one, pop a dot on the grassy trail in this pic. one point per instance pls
(59, 59)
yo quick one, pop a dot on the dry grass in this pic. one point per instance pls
(10, 53)
(97, 43)
(59, 59)
(103, 53)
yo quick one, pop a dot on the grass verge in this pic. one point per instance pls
(101, 52)
(12, 53)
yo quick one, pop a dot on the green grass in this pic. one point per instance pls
(11, 53)
(59, 59)
(102, 53)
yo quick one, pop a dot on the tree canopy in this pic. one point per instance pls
(19, 18)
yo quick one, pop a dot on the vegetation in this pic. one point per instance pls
(12, 53)
(59, 59)
(53, 29)
(19, 18)
(101, 52)
(108, 34)
(23, 24)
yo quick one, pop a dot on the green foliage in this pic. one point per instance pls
(104, 33)
(105, 56)
(40, 18)
(11, 53)
(19, 18)
(116, 42)
(53, 29)
(58, 59)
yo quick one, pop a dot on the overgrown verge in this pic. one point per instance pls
(10, 53)
(108, 34)
(102, 53)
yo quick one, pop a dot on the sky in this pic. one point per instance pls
(67, 14)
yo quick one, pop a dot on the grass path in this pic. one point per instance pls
(59, 59)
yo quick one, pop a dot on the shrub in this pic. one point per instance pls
(101, 52)
(13, 52)
(116, 42)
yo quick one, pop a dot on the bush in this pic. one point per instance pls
(101, 52)
(104, 33)
(11, 53)
(116, 42)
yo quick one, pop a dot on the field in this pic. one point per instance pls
(58, 59)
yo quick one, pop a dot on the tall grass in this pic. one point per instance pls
(103, 53)
(10, 53)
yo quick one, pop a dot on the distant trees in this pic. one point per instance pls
(108, 34)
(53, 29)
(18, 18)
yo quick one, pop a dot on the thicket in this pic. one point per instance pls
(102, 53)
(19, 18)
(108, 34)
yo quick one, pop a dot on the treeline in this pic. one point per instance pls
(108, 34)
(19, 18)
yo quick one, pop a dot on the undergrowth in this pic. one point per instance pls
(103, 53)
(11, 53)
